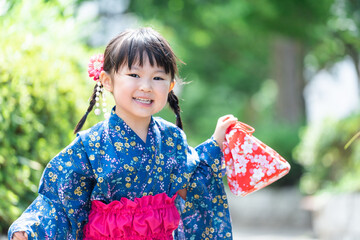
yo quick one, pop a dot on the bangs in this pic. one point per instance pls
(141, 44)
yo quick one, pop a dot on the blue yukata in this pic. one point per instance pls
(110, 161)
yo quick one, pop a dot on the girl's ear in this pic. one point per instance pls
(172, 85)
(106, 81)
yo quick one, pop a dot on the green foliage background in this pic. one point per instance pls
(227, 48)
(43, 91)
(329, 166)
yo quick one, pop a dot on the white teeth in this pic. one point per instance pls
(142, 100)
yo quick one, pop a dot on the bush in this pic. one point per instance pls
(43, 92)
(328, 166)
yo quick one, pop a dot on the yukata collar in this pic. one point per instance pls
(119, 124)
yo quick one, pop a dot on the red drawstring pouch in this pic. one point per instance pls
(250, 164)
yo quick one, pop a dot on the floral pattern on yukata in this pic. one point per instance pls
(110, 161)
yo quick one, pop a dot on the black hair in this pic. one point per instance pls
(129, 48)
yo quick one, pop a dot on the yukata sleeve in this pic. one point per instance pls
(63, 203)
(205, 213)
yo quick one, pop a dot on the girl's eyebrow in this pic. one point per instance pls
(156, 70)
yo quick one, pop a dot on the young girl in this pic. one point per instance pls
(133, 176)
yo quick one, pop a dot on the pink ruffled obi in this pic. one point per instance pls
(149, 217)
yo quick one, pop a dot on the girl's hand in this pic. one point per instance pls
(222, 124)
(20, 236)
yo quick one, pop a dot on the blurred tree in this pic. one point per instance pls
(42, 93)
(241, 43)
(227, 57)
(340, 37)
(232, 47)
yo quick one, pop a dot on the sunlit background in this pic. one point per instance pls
(288, 68)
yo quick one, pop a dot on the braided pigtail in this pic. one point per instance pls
(83, 119)
(174, 105)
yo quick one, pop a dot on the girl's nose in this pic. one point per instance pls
(145, 85)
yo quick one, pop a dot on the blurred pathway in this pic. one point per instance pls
(273, 234)
(270, 214)
(264, 234)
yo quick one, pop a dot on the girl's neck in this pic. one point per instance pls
(139, 125)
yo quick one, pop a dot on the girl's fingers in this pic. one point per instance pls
(20, 236)
(223, 124)
(226, 117)
(228, 120)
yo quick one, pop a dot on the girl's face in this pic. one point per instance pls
(139, 92)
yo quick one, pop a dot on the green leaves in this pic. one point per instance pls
(328, 165)
(43, 93)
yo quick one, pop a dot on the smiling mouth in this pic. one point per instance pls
(143, 100)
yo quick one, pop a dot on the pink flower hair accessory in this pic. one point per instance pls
(95, 66)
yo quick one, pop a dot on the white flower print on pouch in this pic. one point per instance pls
(248, 145)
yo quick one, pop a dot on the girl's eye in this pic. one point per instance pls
(133, 75)
(158, 78)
